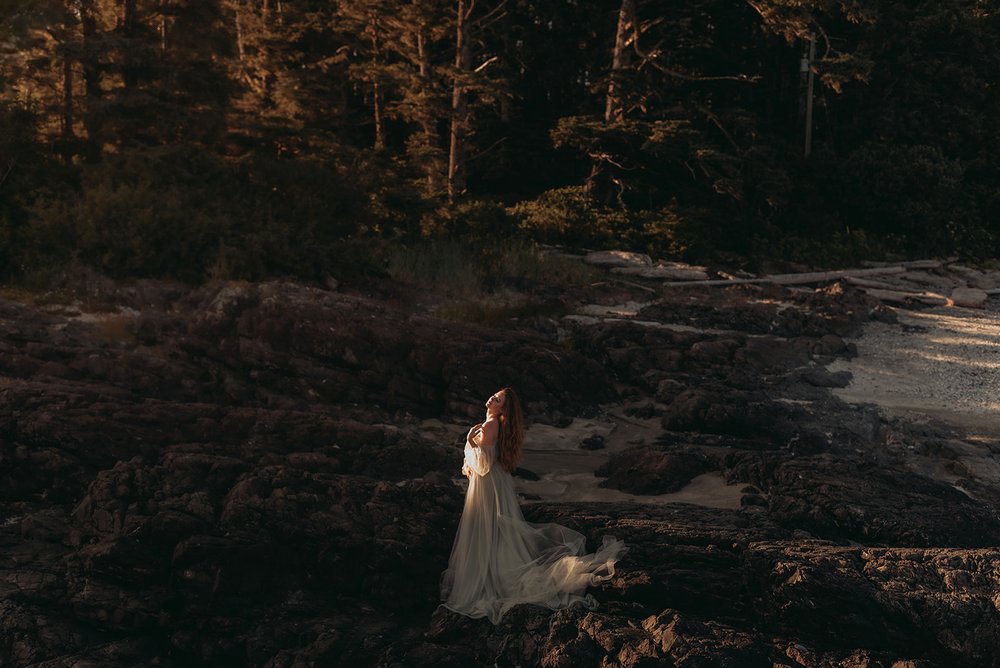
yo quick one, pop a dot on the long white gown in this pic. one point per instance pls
(499, 560)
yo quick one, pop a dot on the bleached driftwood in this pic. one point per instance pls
(632, 284)
(869, 283)
(801, 278)
(912, 264)
(618, 259)
(676, 273)
(900, 297)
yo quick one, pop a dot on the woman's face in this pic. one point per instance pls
(494, 405)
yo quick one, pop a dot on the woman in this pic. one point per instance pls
(498, 559)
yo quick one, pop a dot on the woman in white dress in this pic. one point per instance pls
(498, 559)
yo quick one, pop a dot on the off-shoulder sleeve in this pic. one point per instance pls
(478, 459)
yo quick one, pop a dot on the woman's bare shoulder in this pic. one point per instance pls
(491, 430)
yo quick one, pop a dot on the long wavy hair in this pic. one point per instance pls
(511, 438)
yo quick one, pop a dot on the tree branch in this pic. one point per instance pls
(485, 17)
(485, 64)
(10, 167)
(717, 123)
(651, 60)
(487, 149)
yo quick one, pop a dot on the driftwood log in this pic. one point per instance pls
(901, 297)
(802, 278)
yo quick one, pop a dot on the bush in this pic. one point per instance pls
(569, 216)
(834, 250)
(142, 214)
(183, 212)
(476, 219)
(913, 196)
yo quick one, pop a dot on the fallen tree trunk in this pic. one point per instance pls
(912, 264)
(868, 283)
(802, 278)
(902, 297)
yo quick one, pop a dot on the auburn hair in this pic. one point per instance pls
(511, 437)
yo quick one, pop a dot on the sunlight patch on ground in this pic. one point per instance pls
(943, 363)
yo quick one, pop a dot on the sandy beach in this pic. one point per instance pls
(942, 363)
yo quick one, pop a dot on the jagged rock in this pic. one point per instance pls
(643, 470)
(820, 377)
(238, 474)
(969, 297)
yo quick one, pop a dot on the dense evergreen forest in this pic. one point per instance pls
(247, 138)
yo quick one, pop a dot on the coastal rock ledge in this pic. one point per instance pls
(255, 475)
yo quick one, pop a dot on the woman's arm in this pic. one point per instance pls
(476, 460)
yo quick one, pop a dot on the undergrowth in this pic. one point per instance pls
(470, 270)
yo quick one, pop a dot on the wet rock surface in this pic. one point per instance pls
(237, 474)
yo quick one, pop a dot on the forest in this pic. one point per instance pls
(199, 139)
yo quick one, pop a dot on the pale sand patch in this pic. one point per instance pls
(949, 369)
(942, 365)
(567, 473)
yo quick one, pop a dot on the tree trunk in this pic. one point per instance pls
(459, 105)
(126, 18)
(239, 30)
(425, 62)
(91, 80)
(426, 126)
(621, 59)
(602, 184)
(126, 24)
(376, 85)
(67, 109)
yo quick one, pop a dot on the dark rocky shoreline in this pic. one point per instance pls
(236, 475)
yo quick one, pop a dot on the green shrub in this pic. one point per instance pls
(834, 250)
(142, 214)
(183, 212)
(913, 196)
(569, 216)
(472, 219)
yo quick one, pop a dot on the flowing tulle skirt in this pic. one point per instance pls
(499, 560)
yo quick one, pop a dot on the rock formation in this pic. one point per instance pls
(239, 474)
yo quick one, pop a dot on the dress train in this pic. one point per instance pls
(500, 560)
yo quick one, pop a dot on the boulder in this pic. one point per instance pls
(969, 297)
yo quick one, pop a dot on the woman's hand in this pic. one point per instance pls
(466, 471)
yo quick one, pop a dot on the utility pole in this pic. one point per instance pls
(808, 63)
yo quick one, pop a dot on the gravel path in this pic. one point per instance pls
(942, 363)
